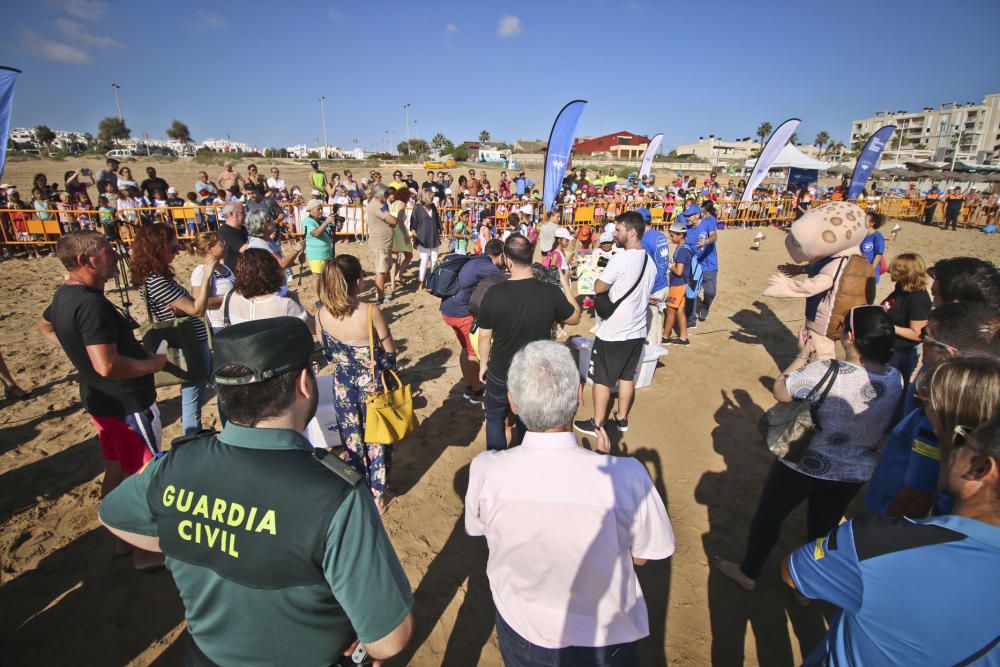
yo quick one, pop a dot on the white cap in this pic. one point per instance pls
(607, 237)
(563, 233)
(313, 203)
(171, 190)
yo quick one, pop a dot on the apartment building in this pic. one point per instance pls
(968, 132)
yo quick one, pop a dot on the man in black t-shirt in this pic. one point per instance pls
(514, 313)
(115, 372)
(233, 233)
(152, 183)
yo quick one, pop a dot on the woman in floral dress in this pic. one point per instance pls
(345, 323)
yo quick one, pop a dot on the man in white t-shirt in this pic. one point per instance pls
(275, 181)
(565, 527)
(628, 280)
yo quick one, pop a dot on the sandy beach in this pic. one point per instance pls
(66, 598)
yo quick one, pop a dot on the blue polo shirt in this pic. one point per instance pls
(658, 249)
(911, 457)
(913, 592)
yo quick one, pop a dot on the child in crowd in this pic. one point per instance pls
(585, 237)
(461, 233)
(873, 245)
(680, 274)
(192, 214)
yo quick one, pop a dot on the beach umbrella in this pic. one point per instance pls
(899, 171)
(993, 178)
(839, 169)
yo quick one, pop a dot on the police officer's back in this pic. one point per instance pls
(280, 558)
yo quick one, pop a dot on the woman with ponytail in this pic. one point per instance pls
(344, 323)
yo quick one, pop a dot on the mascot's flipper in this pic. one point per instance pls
(785, 287)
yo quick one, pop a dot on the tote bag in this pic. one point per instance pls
(789, 428)
(388, 413)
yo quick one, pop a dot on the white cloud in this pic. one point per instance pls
(82, 9)
(76, 33)
(334, 14)
(206, 21)
(509, 26)
(451, 29)
(59, 52)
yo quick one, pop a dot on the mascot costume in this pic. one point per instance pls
(828, 238)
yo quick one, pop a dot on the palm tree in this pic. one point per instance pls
(794, 139)
(484, 136)
(822, 139)
(439, 141)
(764, 131)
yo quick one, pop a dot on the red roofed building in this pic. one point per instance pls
(625, 145)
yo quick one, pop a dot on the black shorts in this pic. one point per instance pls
(614, 360)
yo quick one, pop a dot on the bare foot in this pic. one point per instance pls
(383, 502)
(733, 571)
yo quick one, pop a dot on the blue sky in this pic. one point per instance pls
(256, 70)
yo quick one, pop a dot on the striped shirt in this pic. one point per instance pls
(161, 291)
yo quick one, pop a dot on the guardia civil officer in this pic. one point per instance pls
(280, 557)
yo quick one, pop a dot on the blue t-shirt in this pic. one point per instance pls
(708, 255)
(872, 246)
(913, 592)
(682, 255)
(658, 249)
(468, 277)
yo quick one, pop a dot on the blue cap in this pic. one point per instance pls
(693, 209)
(646, 215)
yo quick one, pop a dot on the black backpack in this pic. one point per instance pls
(486, 282)
(443, 280)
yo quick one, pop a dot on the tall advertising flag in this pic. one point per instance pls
(8, 76)
(559, 148)
(768, 154)
(651, 150)
(868, 159)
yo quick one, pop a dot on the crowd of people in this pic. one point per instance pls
(273, 577)
(115, 197)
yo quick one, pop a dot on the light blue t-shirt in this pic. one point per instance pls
(913, 592)
(317, 248)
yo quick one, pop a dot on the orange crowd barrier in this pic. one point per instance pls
(32, 227)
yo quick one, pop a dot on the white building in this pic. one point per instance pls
(227, 146)
(718, 151)
(935, 133)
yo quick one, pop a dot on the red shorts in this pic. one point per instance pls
(131, 440)
(462, 326)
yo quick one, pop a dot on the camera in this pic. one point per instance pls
(603, 261)
(84, 171)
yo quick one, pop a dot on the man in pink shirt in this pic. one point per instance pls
(565, 527)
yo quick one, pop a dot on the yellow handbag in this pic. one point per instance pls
(388, 414)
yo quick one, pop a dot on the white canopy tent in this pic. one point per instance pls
(789, 157)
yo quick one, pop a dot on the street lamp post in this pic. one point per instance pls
(117, 103)
(416, 134)
(406, 110)
(322, 110)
